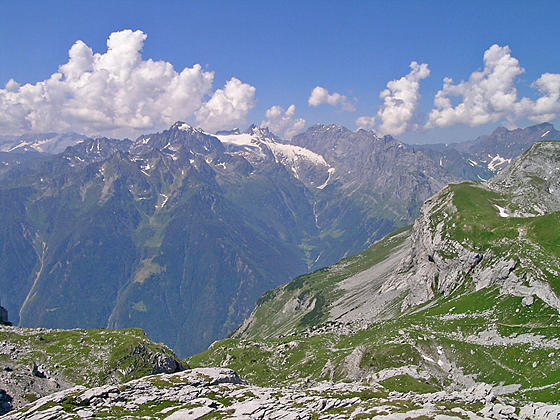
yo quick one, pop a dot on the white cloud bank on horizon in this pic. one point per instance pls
(400, 100)
(490, 95)
(120, 93)
(283, 123)
(320, 96)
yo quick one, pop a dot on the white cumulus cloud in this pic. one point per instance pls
(320, 95)
(120, 93)
(546, 107)
(400, 100)
(283, 123)
(227, 107)
(491, 95)
(487, 96)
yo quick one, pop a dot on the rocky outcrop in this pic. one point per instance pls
(38, 362)
(426, 270)
(437, 264)
(4, 317)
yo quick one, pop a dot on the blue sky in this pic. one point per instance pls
(284, 50)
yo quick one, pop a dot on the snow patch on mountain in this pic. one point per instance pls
(294, 153)
(243, 139)
(502, 211)
(496, 162)
(44, 143)
(19, 146)
(288, 154)
(331, 171)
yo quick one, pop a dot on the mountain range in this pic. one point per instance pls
(180, 232)
(454, 317)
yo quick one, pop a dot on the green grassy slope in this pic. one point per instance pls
(313, 292)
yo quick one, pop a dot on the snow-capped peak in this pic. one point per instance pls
(183, 126)
(255, 138)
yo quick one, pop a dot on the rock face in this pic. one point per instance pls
(388, 175)
(439, 262)
(4, 316)
(532, 182)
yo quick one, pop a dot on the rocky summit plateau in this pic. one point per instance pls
(205, 393)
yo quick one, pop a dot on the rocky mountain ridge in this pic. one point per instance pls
(51, 143)
(469, 296)
(495, 151)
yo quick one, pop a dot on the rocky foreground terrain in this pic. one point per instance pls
(220, 393)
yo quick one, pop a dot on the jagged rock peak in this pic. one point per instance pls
(178, 135)
(327, 127)
(336, 131)
(95, 148)
(366, 132)
(251, 129)
(263, 133)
